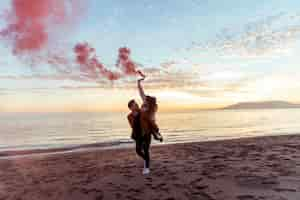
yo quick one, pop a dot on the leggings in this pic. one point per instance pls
(143, 148)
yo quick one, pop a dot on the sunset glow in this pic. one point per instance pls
(196, 54)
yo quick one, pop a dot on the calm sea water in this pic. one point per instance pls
(52, 130)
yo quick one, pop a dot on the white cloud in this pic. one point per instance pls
(274, 35)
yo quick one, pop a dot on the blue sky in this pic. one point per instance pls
(257, 61)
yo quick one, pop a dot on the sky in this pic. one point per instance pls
(197, 54)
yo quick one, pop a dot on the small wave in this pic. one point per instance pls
(67, 139)
(126, 141)
(96, 130)
(183, 130)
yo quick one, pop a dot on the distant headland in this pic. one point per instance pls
(262, 105)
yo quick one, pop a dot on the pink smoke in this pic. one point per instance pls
(29, 21)
(90, 65)
(30, 25)
(127, 65)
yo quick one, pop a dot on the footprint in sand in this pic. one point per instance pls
(134, 190)
(99, 197)
(170, 198)
(256, 180)
(197, 190)
(178, 184)
(118, 195)
(285, 190)
(201, 195)
(155, 187)
(246, 197)
(132, 198)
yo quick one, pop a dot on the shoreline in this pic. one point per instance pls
(67, 149)
(100, 146)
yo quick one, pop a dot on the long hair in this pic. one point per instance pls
(152, 105)
(148, 115)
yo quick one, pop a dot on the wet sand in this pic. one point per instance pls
(265, 168)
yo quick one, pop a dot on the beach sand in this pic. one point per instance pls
(265, 168)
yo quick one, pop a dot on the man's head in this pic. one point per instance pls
(133, 106)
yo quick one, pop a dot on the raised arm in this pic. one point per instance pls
(141, 90)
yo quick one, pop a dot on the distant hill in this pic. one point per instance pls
(262, 105)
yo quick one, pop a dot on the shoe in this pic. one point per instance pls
(161, 139)
(158, 136)
(146, 171)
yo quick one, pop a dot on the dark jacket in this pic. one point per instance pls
(134, 121)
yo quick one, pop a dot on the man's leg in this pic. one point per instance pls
(146, 147)
(139, 148)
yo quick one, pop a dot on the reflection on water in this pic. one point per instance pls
(51, 130)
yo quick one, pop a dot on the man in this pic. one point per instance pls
(133, 119)
(142, 144)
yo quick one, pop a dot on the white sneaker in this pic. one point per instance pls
(146, 171)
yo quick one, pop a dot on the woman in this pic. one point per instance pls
(148, 124)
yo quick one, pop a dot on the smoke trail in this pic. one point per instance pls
(127, 65)
(31, 29)
(90, 65)
(29, 22)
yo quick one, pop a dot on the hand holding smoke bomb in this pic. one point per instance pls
(142, 74)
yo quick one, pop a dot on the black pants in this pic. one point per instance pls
(143, 148)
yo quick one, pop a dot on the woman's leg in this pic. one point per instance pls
(139, 148)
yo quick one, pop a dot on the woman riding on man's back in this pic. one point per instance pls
(143, 124)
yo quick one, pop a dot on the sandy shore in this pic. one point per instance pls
(266, 168)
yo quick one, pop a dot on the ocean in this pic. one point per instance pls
(27, 131)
